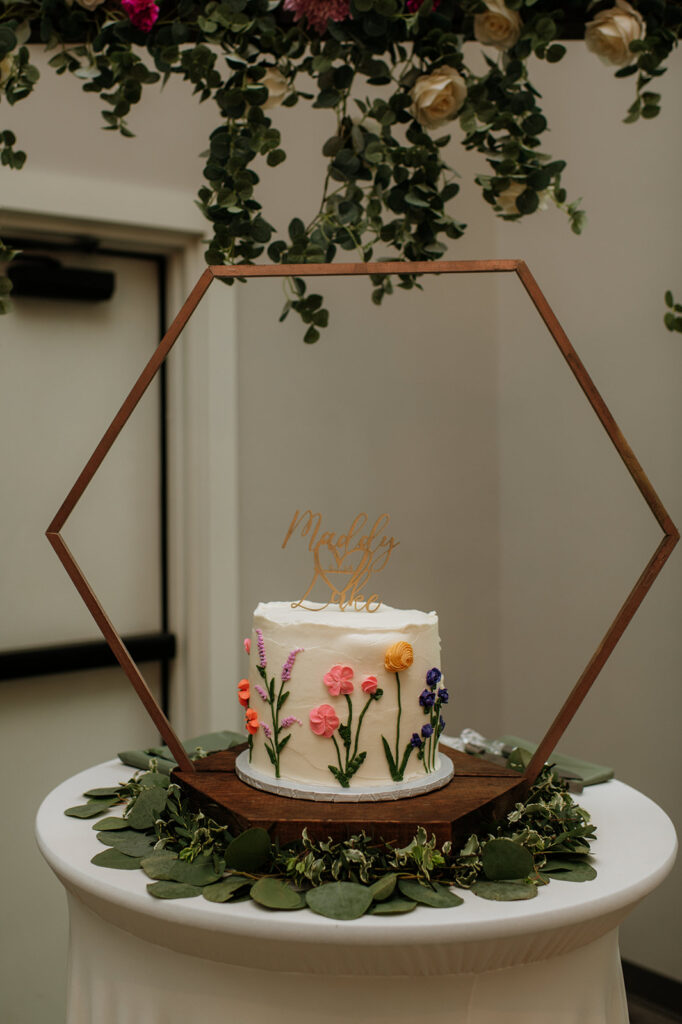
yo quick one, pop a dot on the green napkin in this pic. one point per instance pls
(587, 771)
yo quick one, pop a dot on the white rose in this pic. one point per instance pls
(438, 97)
(498, 26)
(6, 66)
(277, 86)
(507, 199)
(610, 33)
(89, 5)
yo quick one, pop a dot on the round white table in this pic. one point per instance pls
(134, 959)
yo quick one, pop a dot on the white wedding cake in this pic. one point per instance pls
(343, 700)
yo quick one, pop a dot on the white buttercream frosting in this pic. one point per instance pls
(359, 640)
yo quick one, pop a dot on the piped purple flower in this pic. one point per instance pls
(289, 664)
(433, 677)
(427, 730)
(414, 740)
(267, 730)
(262, 660)
(287, 723)
(427, 699)
(443, 696)
(261, 692)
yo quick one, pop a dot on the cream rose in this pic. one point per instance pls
(89, 5)
(498, 26)
(6, 66)
(438, 97)
(610, 33)
(277, 86)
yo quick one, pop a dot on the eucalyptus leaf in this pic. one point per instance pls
(110, 824)
(429, 895)
(115, 859)
(397, 905)
(249, 851)
(103, 791)
(160, 866)
(172, 890)
(135, 844)
(151, 780)
(505, 890)
(578, 871)
(225, 889)
(342, 901)
(503, 858)
(147, 808)
(90, 809)
(277, 895)
(384, 887)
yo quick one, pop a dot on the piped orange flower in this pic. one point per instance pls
(399, 656)
(252, 722)
(244, 692)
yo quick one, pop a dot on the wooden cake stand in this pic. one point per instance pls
(479, 791)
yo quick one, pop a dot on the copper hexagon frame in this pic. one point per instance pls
(518, 267)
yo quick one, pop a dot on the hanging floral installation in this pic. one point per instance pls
(398, 79)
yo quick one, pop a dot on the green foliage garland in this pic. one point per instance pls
(388, 189)
(185, 853)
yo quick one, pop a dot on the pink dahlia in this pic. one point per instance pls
(142, 13)
(318, 12)
(324, 720)
(339, 679)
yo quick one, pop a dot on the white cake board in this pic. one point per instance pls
(336, 794)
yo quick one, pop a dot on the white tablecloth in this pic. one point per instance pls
(138, 960)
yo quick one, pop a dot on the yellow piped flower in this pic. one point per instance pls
(399, 656)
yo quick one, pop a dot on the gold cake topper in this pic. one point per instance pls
(344, 562)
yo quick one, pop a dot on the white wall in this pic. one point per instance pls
(575, 531)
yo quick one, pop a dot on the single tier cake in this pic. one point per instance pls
(343, 699)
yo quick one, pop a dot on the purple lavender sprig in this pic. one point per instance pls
(275, 696)
(262, 660)
(289, 664)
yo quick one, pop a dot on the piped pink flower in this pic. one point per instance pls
(247, 644)
(324, 720)
(339, 679)
(369, 685)
(142, 13)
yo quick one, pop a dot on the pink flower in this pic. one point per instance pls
(369, 685)
(339, 679)
(142, 13)
(324, 720)
(318, 12)
(247, 645)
